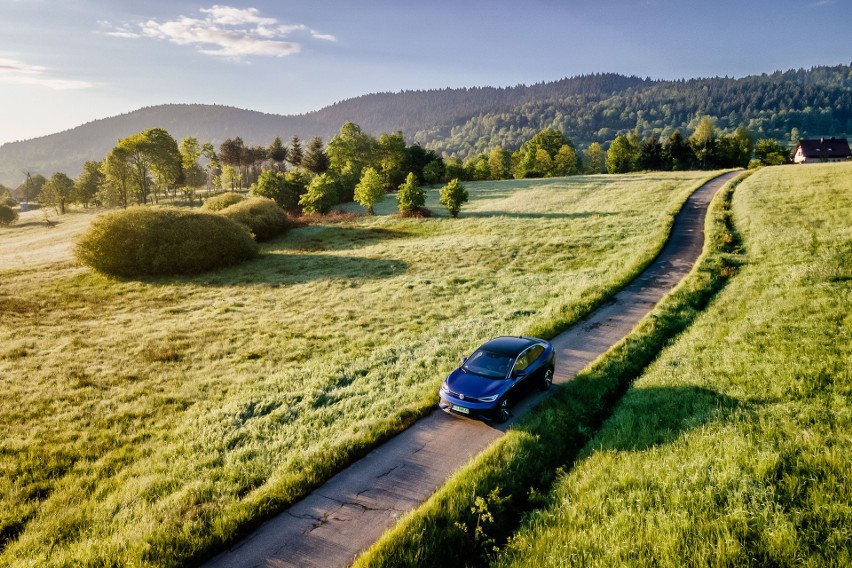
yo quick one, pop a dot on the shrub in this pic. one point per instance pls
(8, 200)
(262, 216)
(219, 202)
(143, 241)
(7, 214)
(410, 196)
(453, 195)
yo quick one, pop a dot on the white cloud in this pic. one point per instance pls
(17, 72)
(224, 31)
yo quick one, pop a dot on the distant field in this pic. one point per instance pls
(735, 447)
(145, 422)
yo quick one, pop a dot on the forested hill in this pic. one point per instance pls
(815, 102)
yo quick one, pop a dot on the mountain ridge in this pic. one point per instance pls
(465, 121)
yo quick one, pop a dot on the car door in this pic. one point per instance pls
(522, 364)
(535, 364)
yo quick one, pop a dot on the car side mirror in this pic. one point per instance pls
(463, 360)
(519, 374)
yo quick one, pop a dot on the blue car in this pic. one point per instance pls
(488, 383)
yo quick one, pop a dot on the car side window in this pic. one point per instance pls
(523, 361)
(533, 354)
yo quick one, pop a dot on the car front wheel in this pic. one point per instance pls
(504, 410)
(546, 380)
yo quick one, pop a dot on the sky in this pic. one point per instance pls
(67, 62)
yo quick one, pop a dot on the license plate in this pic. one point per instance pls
(461, 409)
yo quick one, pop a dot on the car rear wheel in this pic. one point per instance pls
(504, 410)
(546, 380)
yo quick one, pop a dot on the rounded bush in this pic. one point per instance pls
(142, 241)
(262, 216)
(219, 202)
(7, 215)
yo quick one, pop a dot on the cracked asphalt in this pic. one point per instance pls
(339, 520)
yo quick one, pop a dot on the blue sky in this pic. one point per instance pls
(66, 62)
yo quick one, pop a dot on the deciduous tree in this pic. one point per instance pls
(621, 156)
(595, 159)
(58, 192)
(118, 178)
(370, 190)
(321, 195)
(88, 183)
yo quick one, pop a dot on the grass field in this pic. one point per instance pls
(733, 449)
(147, 422)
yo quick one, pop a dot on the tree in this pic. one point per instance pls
(769, 152)
(595, 159)
(294, 151)
(566, 162)
(677, 152)
(736, 149)
(349, 152)
(535, 157)
(89, 183)
(155, 160)
(391, 153)
(370, 190)
(410, 196)
(703, 140)
(270, 184)
(193, 175)
(453, 196)
(277, 152)
(498, 163)
(433, 172)
(58, 191)
(321, 195)
(651, 155)
(232, 152)
(621, 156)
(213, 167)
(118, 178)
(315, 159)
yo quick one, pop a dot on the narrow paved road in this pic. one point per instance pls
(331, 526)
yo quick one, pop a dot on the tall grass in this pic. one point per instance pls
(148, 422)
(468, 519)
(733, 449)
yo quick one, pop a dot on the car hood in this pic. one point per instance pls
(473, 385)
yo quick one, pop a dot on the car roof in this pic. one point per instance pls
(511, 346)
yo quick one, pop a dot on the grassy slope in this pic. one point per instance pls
(734, 447)
(147, 422)
(474, 513)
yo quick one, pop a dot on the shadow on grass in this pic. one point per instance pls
(531, 215)
(323, 238)
(655, 416)
(291, 269)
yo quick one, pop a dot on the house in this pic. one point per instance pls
(821, 150)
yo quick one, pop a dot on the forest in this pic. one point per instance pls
(462, 123)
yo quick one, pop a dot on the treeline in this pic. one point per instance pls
(549, 153)
(782, 106)
(151, 165)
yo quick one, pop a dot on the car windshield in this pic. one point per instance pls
(489, 364)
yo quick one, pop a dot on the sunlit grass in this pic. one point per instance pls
(147, 422)
(734, 447)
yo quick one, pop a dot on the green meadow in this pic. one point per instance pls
(733, 448)
(148, 422)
